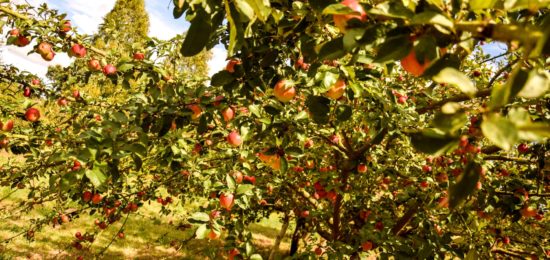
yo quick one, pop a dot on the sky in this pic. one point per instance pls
(86, 16)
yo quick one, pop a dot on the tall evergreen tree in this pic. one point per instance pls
(124, 27)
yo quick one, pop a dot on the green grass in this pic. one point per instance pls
(148, 235)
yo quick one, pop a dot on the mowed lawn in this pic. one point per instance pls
(148, 235)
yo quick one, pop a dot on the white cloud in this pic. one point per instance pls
(217, 63)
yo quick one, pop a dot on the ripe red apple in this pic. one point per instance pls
(87, 196)
(27, 92)
(96, 198)
(78, 51)
(319, 251)
(227, 201)
(463, 141)
(44, 48)
(308, 144)
(65, 27)
(197, 111)
(49, 56)
(412, 65)
(22, 41)
(76, 166)
(64, 218)
(14, 32)
(506, 240)
(234, 139)
(228, 114)
(362, 168)
(300, 64)
(109, 70)
(424, 184)
(523, 148)
(230, 67)
(78, 235)
(35, 82)
(139, 56)
(402, 99)
(32, 114)
(233, 252)
(120, 235)
(94, 65)
(337, 90)
(335, 139)
(284, 91)
(8, 126)
(304, 214)
(426, 168)
(62, 102)
(528, 212)
(238, 176)
(213, 235)
(250, 179)
(341, 20)
(366, 246)
(4, 142)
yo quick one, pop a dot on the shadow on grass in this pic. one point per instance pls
(146, 237)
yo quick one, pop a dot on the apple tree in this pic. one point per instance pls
(378, 128)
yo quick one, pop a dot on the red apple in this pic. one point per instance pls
(65, 27)
(238, 176)
(402, 99)
(109, 70)
(44, 48)
(426, 168)
(362, 168)
(234, 139)
(411, 64)
(250, 179)
(308, 144)
(523, 148)
(78, 51)
(319, 251)
(22, 41)
(300, 64)
(197, 111)
(35, 82)
(49, 56)
(528, 212)
(8, 126)
(96, 198)
(506, 240)
(213, 235)
(442, 177)
(120, 235)
(341, 20)
(233, 252)
(94, 65)
(87, 196)
(366, 246)
(230, 67)
(4, 142)
(14, 32)
(32, 114)
(62, 102)
(337, 90)
(139, 56)
(76, 166)
(27, 92)
(228, 114)
(284, 91)
(227, 201)
(304, 214)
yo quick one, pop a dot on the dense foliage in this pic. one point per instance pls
(379, 128)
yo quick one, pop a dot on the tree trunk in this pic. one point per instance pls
(279, 237)
(300, 223)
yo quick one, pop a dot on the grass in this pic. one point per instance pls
(147, 236)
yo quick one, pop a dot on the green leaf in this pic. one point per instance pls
(232, 29)
(343, 113)
(198, 35)
(502, 94)
(457, 79)
(136, 148)
(392, 9)
(96, 175)
(319, 108)
(199, 217)
(245, 9)
(500, 131)
(262, 8)
(284, 164)
(430, 17)
(432, 141)
(125, 67)
(481, 4)
(202, 232)
(537, 84)
(333, 49)
(256, 257)
(465, 185)
(231, 184)
(244, 189)
(221, 78)
(393, 49)
(450, 123)
(534, 131)
(338, 9)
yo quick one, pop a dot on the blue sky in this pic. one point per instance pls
(86, 16)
